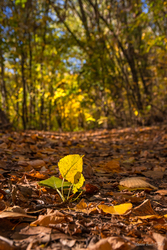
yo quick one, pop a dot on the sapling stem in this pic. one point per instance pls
(61, 195)
(62, 187)
(69, 191)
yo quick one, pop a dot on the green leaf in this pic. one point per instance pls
(54, 182)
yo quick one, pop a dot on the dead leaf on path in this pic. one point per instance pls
(151, 217)
(139, 169)
(131, 160)
(84, 208)
(81, 205)
(112, 243)
(113, 166)
(15, 209)
(134, 183)
(144, 209)
(119, 209)
(127, 197)
(2, 206)
(161, 241)
(7, 244)
(15, 215)
(101, 245)
(37, 175)
(161, 227)
(91, 189)
(3, 145)
(162, 192)
(154, 174)
(52, 218)
(35, 230)
(36, 163)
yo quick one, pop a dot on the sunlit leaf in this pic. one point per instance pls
(71, 167)
(54, 182)
(119, 209)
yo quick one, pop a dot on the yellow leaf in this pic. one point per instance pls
(70, 168)
(78, 184)
(77, 177)
(120, 209)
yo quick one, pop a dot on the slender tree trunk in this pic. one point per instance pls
(5, 105)
(24, 100)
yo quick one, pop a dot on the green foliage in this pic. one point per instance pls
(22, 2)
(53, 182)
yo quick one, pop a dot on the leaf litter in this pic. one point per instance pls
(104, 216)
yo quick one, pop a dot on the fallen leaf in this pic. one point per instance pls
(91, 189)
(36, 163)
(6, 244)
(154, 174)
(119, 209)
(144, 209)
(113, 166)
(112, 243)
(135, 183)
(161, 241)
(52, 218)
(84, 208)
(162, 192)
(14, 215)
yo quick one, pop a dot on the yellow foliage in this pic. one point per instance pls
(71, 167)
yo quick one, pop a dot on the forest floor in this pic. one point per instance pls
(124, 199)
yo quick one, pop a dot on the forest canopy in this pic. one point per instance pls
(83, 64)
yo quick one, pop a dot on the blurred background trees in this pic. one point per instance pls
(82, 64)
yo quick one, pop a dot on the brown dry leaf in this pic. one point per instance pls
(135, 183)
(52, 218)
(127, 197)
(154, 174)
(120, 243)
(144, 209)
(6, 244)
(119, 209)
(161, 241)
(101, 245)
(88, 171)
(37, 175)
(162, 192)
(112, 243)
(161, 227)
(130, 160)
(113, 166)
(2, 205)
(139, 169)
(15, 209)
(36, 163)
(84, 208)
(3, 145)
(91, 189)
(81, 205)
(14, 215)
